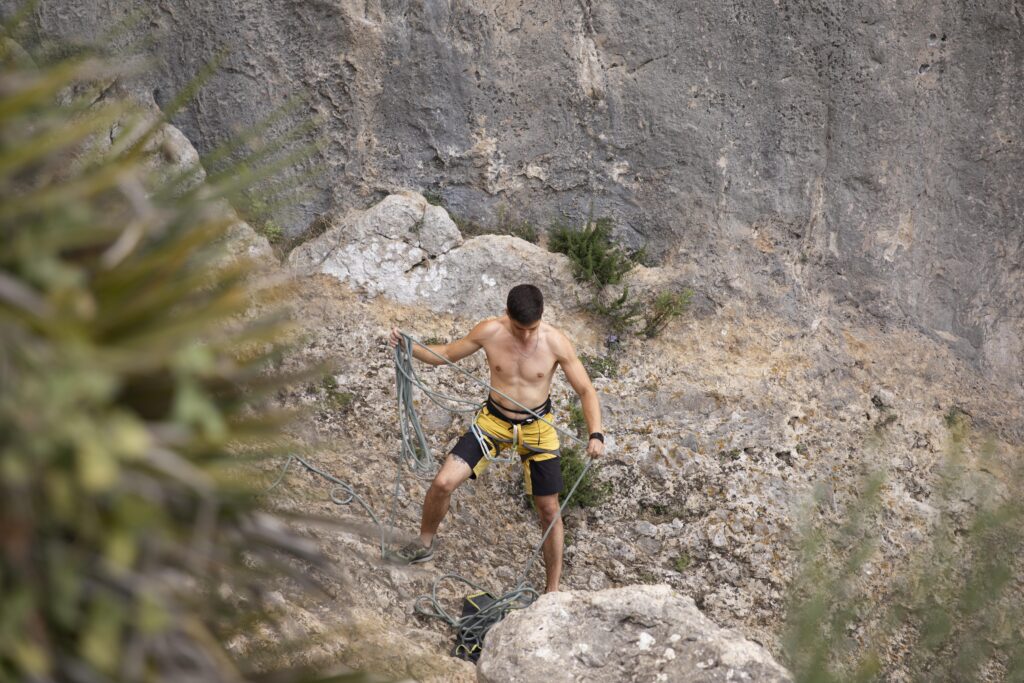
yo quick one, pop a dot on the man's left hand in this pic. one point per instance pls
(595, 448)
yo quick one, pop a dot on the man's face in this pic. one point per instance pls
(524, 332)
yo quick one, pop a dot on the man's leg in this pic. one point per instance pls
(435, 506)
(547, 506)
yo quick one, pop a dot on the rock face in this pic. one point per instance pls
(635, 633)
(169, 155)
(872, 150)
(412, 252)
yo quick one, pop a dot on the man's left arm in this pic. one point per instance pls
(584, 388)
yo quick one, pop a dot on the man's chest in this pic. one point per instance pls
(510, 365)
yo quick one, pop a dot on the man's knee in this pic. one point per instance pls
(445, 484)
(452, 474)
(547, 507)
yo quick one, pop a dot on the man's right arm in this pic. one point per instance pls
(453, 351)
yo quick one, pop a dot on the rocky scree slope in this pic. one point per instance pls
(718, 432)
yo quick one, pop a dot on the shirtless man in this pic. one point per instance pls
(522, 353)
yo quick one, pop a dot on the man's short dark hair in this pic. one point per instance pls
(525, 304)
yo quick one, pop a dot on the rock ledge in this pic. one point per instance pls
(635, 633)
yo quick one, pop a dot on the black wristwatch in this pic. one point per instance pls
(597, 435)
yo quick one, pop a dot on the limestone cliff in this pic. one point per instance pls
(869, 151)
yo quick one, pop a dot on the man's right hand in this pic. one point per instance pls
(396, 336)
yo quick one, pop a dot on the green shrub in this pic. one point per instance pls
(433, 197)
(624, 314)
(576, 421)
(259, 214)
(595, 259)
(133, 386)
(663, 309)
(599, 262)
(590, 492)
(621, 314)
(600, 366)
(272, 231)
(682, 562)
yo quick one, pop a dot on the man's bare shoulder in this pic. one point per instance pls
(486, 329)
(559, 343)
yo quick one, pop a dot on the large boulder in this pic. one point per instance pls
(636, 633)
(372, 249)
(411, 251)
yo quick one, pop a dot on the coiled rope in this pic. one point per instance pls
(414, 453)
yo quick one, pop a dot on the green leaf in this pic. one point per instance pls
(101, 635)
(97, 467)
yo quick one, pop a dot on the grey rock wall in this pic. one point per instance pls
(869, 150)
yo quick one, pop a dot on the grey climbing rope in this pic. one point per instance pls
(339, 485)
(413, 449)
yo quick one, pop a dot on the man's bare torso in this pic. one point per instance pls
(523, 371)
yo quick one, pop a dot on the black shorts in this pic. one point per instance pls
(542, 471)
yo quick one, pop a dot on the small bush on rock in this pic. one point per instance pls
(577, 422)
(590, 492)
(621, 314)
(595, 259)
(682, 562)
(600, 366)
(663, 309)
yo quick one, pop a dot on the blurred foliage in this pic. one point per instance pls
(952, 611)
(134, 387)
